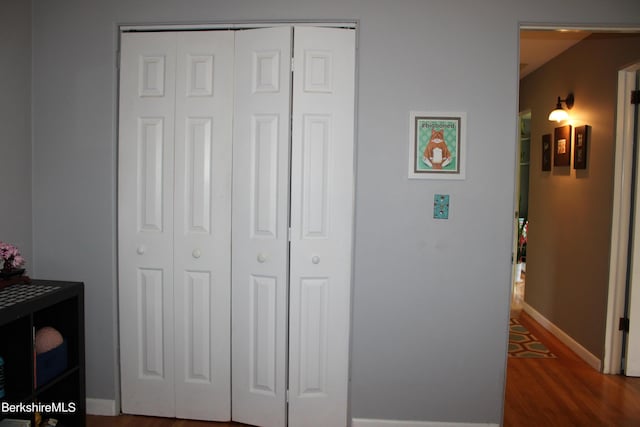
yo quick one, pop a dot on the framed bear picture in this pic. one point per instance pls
(437, 143)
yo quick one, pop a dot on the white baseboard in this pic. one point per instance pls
(101, 407)
(576, 347)
(361, 422)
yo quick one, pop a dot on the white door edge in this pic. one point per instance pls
(620, 223)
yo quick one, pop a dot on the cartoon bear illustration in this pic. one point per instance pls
(436, 153)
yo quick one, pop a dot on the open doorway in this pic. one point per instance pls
(570, 210)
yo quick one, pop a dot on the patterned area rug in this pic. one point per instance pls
(523, 344)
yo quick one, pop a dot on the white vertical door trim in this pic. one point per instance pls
(202, 226)
(620, 224)
(260, 225)
(632, 358)
(322, 180)
(145, 223)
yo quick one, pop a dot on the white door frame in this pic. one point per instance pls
(620, 220)
(352, 24)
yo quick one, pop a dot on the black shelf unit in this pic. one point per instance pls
(24, 308)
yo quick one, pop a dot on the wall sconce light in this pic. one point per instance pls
(560, 114)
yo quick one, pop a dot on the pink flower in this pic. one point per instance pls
(18, 260)
(10, 257)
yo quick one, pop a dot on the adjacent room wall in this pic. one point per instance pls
(15, 126)
(431, 298)
(570, 210)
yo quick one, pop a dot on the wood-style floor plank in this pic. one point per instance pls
(563, 392)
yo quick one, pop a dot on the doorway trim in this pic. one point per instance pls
(620, 238)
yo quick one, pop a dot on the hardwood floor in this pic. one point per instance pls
(566, 391)
(563, 392)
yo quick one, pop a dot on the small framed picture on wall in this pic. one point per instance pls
(546, 152)
(437, 144)
(562, 146)
(581, 140)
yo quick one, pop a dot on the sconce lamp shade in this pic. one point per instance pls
(559, 114)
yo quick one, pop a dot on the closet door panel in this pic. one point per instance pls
(202, 224)
(260, 225)
(321, 225)
(145, 223)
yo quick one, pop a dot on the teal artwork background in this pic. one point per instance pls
(450, 127)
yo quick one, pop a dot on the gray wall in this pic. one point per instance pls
(570, 210)
(431, 298)
(15, 126)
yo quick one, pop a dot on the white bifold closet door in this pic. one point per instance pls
(292, 225)
(322, 166)
(235, 299)
(260, 257)
(174, 223)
